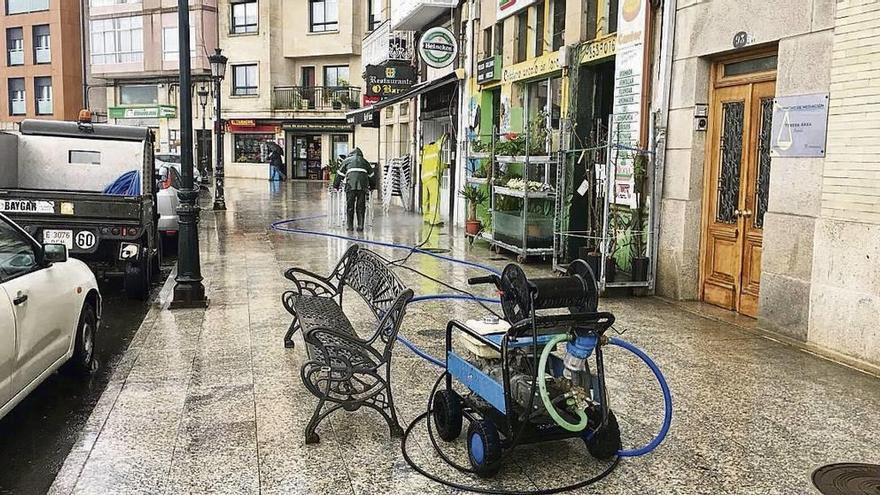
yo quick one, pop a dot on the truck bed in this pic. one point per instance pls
(37, 205)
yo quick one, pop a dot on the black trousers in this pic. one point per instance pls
(355, 202)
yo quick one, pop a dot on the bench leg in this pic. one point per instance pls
(288, 337)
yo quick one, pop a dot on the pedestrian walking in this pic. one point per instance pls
(358, 174)
(276, 163)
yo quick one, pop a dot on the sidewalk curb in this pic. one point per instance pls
(67, 477)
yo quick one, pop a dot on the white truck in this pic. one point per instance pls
(53, 176)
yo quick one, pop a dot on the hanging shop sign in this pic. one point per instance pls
(599, 49)
(385, 81)
(800, 126)
(628, 90)
(507, 8)
(151, 112)
(317, 126)
(438, 47)
(489, 70)
(540, 66)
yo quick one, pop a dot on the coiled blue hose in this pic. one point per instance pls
(127, 184)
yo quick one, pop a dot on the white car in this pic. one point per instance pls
(50, 310)
(168, 176)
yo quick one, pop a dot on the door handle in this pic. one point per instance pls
(20, 299)
(746, 213)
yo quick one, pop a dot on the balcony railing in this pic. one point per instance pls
(317, 98)
(383, 45)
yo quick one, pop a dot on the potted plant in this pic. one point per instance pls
(640, 260)
(474, 197)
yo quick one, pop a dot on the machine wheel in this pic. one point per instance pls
(83, 360)
(484, 448)
(447, 414)
(137, 280)
(605, 442)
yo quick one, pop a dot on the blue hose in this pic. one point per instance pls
(464, 297)
(667, 399)
(127, 184)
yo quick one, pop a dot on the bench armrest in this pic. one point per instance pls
(389, 323)
(311, 284)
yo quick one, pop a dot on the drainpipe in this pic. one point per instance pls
(463, 117)
(658, 129)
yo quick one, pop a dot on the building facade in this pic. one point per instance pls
(42, 60)
(133, 59)
(294, 71)
(767, 210)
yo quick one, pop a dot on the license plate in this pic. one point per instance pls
(58, 237)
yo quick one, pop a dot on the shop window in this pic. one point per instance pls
(336, 75)
(139, 95)
(522, 36)
(117, 41)
(539, 30)
(244, 80)
(25, 6)
(374, 17)
(499, 38)
(245, 17)
(558, 24)
(323, 16)
(17, 105)
(340, 145)
(42, 49)
(14, 46)
(43, 92)
(174, 140)
(251, 148)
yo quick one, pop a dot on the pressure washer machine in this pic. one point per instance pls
(522, 388)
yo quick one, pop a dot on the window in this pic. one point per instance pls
(43, 91)
(404, 109)
(403, 148)
(117, 41)
(251, 148)
(612, 15)
(375, 14)
(558, 24)
(340, 145)
(24, 6)
(539, 30)
(336, 75)
(80, 157)
(17, 255)
(522, 35)
(139, 95)
(487, 42)
(174, 140)
(42, 48)
(499, 38)
(244, 17)
(389, 139)
(14, 46)
(17, 105)
(244, 79)
(171, 44)
(323, 16)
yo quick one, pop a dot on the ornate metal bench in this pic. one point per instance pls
(345, 371)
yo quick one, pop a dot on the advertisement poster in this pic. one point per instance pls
(627, 120)
(507, 8)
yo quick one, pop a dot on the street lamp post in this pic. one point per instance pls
(218, 70)
(204, 160)
(188, 290)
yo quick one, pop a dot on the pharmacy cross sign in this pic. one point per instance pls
(438, 47)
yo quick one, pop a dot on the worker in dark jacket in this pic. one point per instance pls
(358, 175)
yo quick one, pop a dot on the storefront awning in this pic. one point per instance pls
(365, 115)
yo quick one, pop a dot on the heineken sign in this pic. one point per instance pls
(149, 112)
(438, 47)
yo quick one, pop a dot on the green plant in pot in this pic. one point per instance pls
(640, 260)
(474, 197)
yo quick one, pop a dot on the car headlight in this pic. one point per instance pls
(129, 251)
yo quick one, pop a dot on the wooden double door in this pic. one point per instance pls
(736, 193)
